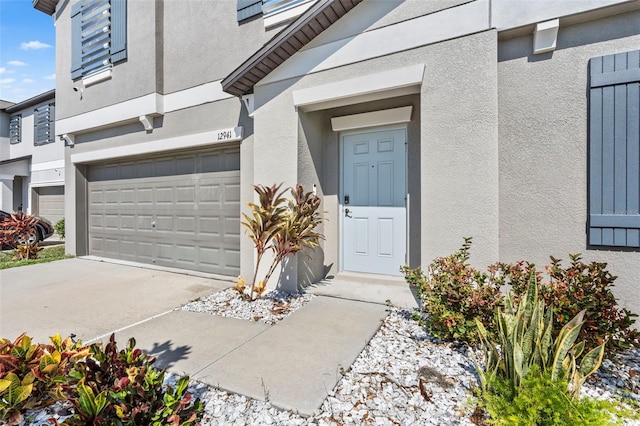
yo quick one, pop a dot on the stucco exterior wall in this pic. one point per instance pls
(543, 148)
(456, 200)
(203, 42)
(134, 77)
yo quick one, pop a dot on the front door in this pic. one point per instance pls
(373, 203)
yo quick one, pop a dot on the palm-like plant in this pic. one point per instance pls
(285, 229)
(264, 221)
(297, 230)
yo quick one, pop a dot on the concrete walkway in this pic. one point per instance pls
(294, 364)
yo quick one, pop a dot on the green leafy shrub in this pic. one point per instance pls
(283, 229)
(124, 386)
(588, 286)
(543, 401)
(59, 228)
(454, 294)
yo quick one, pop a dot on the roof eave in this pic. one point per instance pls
(46, 6)
(241, 81)
(38, 99)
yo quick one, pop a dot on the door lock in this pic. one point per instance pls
(346, 213)
(346, 199)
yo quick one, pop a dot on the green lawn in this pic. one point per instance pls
(48, 254)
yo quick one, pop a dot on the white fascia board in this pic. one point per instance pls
(450, 23)
(150, 105)
(45, 184)
(205, 93)
(118, 113)
(272, 20)
(47, 165)
(371, 119)
(375, 86)
(169, 144)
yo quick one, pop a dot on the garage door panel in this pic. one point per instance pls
(183, 217)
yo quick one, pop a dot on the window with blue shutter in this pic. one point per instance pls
(99, 35)
(44, 118)
(15, 124)
(614, 150)
(248, 8)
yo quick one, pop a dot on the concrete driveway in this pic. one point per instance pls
(90, 298)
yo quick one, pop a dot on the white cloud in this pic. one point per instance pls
(3, 70)
(17, 63)
(27, 80)
(33, 45)
(7, 80)
(50, 77)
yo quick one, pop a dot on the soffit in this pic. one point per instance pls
(285, 44)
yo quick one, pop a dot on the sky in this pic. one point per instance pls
(27, 51)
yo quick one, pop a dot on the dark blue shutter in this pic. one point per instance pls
(248, 8)
(614, 150)
(118, 30)
(76, 41)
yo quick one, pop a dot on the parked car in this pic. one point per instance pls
(43, 230)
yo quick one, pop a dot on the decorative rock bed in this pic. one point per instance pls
(404, 376)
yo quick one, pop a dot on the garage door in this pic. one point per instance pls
(180, 211)
(51, 203)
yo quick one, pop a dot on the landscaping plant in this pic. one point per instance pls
(34, 375)
(124, 386)
(19, 229)
(59, 228)
(104, 385)
(524, 339)
(531, 377)
(454, 294)
(284, 229)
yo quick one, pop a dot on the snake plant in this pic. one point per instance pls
(524, 338)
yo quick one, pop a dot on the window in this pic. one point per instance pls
(43, 118)
(15, 123)
(275, 12)
(614, 150)
(99, 35)
(248, 8)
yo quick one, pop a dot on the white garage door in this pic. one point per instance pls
(180, 211)
(51, 203)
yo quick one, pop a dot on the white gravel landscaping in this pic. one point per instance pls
(404, 376)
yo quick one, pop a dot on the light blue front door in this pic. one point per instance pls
(373, 201)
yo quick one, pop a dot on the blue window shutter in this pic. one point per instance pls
(76, 41)
(614, 150)
(118, 30)
(248, 8)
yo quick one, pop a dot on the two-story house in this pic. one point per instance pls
(417, 122)
(31, 158)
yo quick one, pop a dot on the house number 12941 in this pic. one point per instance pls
(225, 134)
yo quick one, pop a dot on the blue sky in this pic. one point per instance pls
(27, 51)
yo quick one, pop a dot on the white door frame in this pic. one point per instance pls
(341, 205)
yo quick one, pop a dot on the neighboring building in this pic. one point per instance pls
(419, 123)
(31, 158)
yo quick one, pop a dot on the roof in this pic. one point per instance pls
(37, 99)
(5, 104)
(46, 6)
(285, 44)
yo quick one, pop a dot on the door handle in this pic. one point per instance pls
(346, 212)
